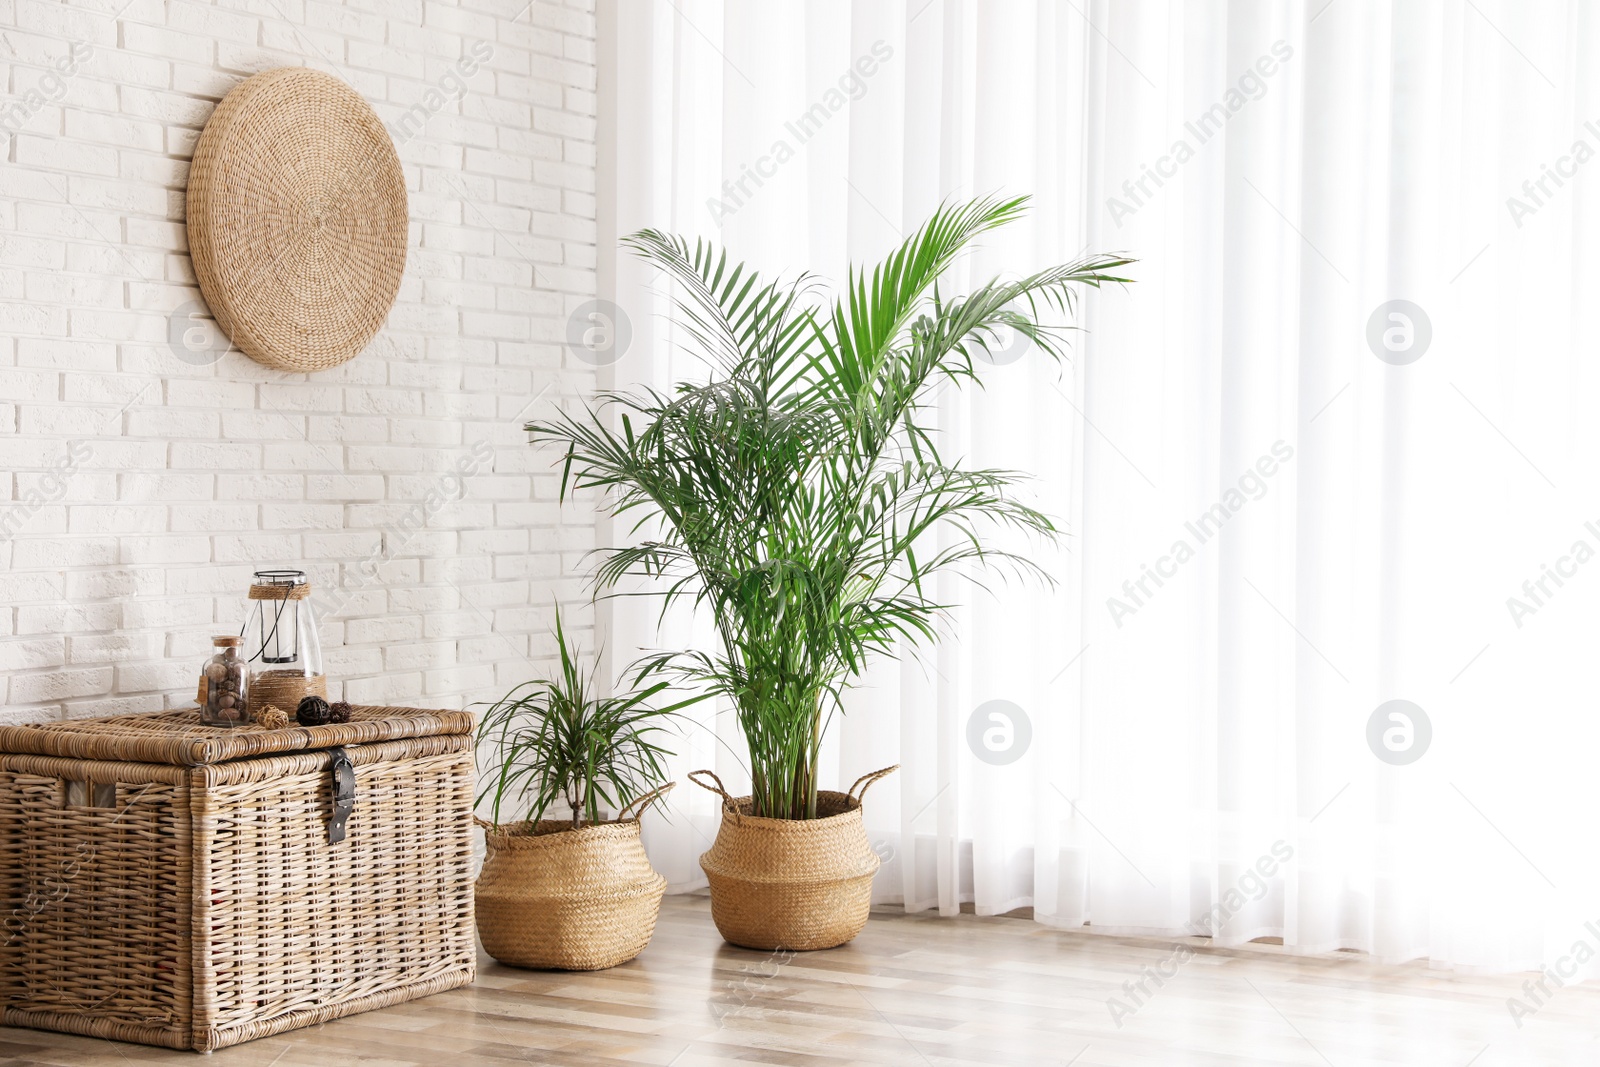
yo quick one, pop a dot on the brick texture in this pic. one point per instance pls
(143, 483)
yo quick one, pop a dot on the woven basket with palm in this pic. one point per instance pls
(578, 893)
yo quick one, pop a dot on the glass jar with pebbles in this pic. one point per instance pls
(224, 685)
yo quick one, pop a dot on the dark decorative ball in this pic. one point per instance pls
(313, 711)
(340, 711)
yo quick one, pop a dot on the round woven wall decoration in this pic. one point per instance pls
(297, 219)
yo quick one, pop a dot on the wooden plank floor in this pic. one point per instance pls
(924, 990)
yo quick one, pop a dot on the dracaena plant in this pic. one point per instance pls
(796, 491)
(559, 739)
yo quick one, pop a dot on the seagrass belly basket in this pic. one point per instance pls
(791, 884)
(193, 887)
(573, 900)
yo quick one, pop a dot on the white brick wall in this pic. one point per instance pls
(140, 490)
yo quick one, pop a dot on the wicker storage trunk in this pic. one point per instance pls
(174, 884)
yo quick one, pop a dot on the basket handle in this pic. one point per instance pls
(644, 802)
(485, 823)
(869, 779)
(717, 789)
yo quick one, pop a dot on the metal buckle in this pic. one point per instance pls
(344, 794)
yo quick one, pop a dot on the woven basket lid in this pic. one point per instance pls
(178, 737)
(297, 219)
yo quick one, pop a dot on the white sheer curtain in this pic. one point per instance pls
(1274, 531)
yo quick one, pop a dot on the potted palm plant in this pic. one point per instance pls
(796, 493)
(576, 892)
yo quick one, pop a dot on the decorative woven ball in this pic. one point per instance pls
(297, 219)
(339, 711)
(313, 711)
(273, 717)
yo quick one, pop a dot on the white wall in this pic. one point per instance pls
(141, 489)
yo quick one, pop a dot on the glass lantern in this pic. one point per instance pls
(281, 647)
